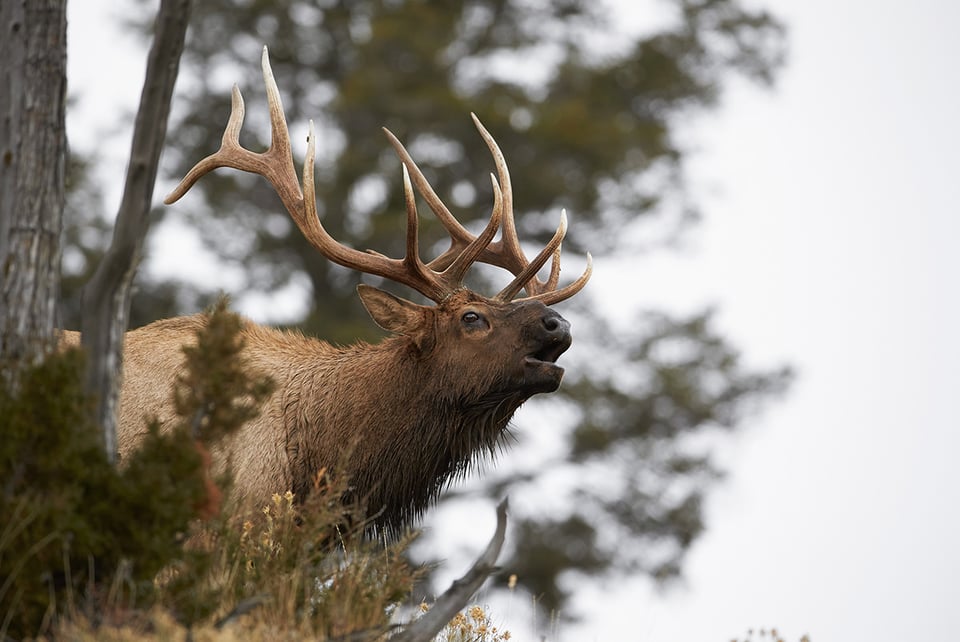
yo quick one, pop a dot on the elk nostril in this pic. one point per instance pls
(555, 324)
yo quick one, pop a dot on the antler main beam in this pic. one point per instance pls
(436, 280)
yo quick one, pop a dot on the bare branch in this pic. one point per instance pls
(242, 608)
(455, 598)
(106, 297)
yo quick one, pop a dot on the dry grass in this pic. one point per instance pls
(284, 571)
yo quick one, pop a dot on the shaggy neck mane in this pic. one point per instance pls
(398, 440)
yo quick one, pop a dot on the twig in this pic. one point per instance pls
(106, 297)
(427, 626)
(242, 608)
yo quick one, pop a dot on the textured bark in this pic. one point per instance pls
(33, 46)
(106, 298)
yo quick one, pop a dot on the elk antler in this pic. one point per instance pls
(436, 280)
(506, 252)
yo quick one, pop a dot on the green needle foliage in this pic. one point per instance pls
(218, 399)
(72, 523)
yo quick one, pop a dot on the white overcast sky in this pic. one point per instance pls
(830, 241)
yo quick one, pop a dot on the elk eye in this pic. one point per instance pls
(470, 318)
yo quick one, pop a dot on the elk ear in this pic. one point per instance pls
(392, 313)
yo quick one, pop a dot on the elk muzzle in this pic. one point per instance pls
(549, 338)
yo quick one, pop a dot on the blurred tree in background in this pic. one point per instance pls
(589, 119)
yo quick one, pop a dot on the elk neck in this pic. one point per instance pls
(399, 427)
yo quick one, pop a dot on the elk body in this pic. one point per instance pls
(404, 414)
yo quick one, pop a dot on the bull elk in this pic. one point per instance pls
(412, 410)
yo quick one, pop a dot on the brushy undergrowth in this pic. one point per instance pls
(73, 525)
(89, 550)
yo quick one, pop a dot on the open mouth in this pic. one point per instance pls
(540, 371)
(548, 353)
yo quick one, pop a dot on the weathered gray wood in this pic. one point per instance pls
(33, 46)
(455, 598)
(106, 297)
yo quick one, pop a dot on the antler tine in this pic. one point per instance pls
(465, 248)
(412, 257)
(413, 222)
(527, 276)
(547, 292)
(549, 295)
(460, 237)
(218, 158)
(479, 245)
(452, 276)
(276, 165)
(511, 254)
(509, 245)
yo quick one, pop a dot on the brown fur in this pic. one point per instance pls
(410, 411)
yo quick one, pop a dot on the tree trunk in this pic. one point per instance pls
(33, 51)
(106, 298)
